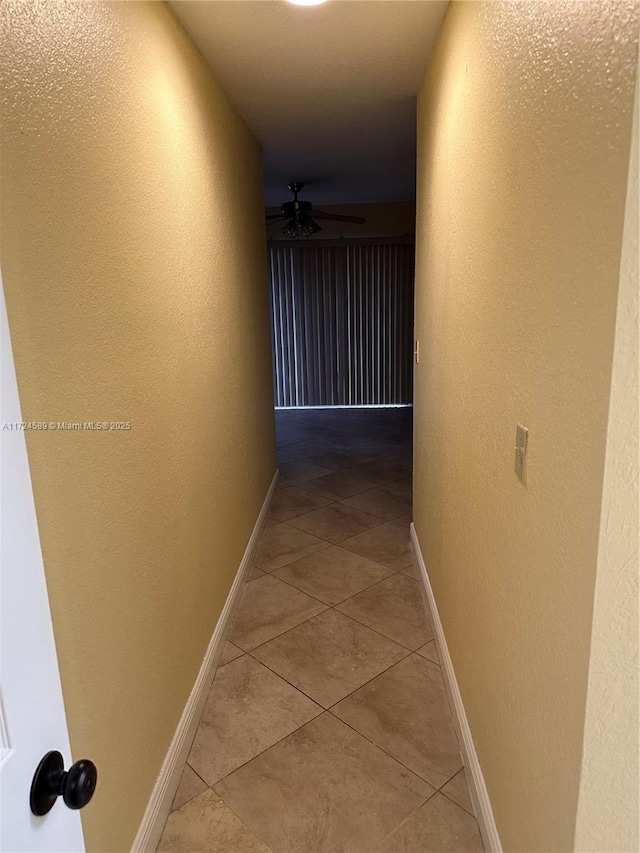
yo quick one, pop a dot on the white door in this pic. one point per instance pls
(32, 717)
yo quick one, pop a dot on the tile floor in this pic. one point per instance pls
(327, 728)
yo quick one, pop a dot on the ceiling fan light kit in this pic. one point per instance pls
(301, 217)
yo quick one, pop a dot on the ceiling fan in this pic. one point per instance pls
(301, 216)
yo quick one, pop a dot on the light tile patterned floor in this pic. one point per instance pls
(327, 728)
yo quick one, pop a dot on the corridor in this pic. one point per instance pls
(327, 727)
(214, 210)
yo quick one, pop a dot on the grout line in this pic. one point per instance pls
(338, 499)
(284, 678)
(282, 633)
(335, 503)
(297, 589)
(360, 687)
(377, 562)
(186, 802)
(191, 799)
(390, 755)
(375, 631)
(444, 794)
(393, 573)
(346, 539)
(323, 710)
(346, 696)
(330, 710)
(333, 607)
(246, 825)
(348, 598)
(195, 771)
(408, 818)
(317, 551)
(327, 607)
(271, 745)
(355, 618)
(343, 500)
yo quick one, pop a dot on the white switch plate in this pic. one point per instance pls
(522, 440)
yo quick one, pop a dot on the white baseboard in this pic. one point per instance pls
(477, 787)
(157, 810)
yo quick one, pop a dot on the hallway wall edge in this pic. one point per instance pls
(159, 805)
(475, 778)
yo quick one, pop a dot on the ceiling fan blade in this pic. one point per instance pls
(274, 216)
(272, 219)
(336, 217)
(315, 226)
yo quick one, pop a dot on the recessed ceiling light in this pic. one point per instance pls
(307, 2)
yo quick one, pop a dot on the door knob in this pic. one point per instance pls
(76, 785)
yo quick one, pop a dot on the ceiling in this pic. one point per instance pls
(328, 90)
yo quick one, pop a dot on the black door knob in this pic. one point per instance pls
(75, 785)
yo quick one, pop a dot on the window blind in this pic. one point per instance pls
(342, 324)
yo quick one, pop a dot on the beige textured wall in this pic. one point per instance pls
(387, 219)
(135, 270)
(609, 797)
(524, 128)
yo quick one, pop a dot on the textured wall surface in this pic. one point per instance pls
(524, 132)
(609, 797)
(135, 269)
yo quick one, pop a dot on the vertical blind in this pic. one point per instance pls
(342, 323)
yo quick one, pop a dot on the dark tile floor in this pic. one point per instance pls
(327, 728)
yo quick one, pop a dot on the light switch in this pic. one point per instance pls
(522, 439)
